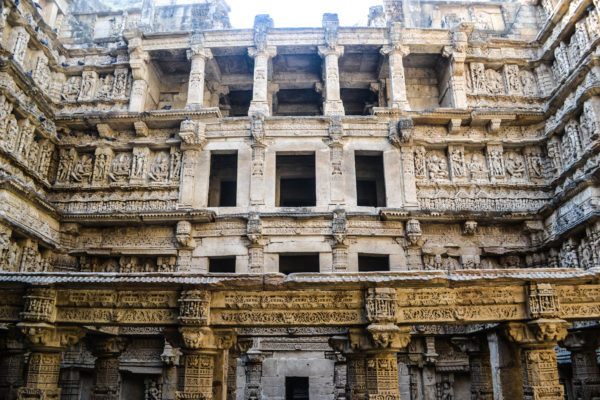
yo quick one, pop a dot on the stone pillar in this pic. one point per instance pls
(138, 60)
(192, 136)
(479, 363)
(397, 83)
(333, 104)
(256, 259)
(356, 378)
(107, 382)
(46, 345)
(12, 363)
(537, 340)
(584, 363)
(45, 342)
(201, 344)
(254, 359)
(260, 95)
(457, 85)
(372, 371)
(257, 179)
(336, 155)
(408, 176)
(198, 56)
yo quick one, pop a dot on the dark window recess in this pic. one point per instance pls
(373, 262)
(298, 102)
(222, 265)
(236, 102)
(292, 263)
(223, 180)
(296, 185)
(358, 101)
(370, 180)
(296, 388)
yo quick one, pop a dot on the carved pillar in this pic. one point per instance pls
(336, 151)
(12, 363)
(479, 362)
(457, 86)
(138, 60)
(372, 371)
(408, 176)
(257, 179)
(254, 359)
(256, 246)
(46, 345)
(537, 339)
(46, 342)
(584, 363)
(201, 345)
(198, 56)
(107, 382)
(192, 136)
(356, 378)
(333, 104)
(262, 57)
(339, 248)
(340, 369)
(397, 82)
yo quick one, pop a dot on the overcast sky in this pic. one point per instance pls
(299, 13)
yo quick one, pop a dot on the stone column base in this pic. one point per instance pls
(333, 107)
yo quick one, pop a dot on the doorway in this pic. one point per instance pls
(296, 388)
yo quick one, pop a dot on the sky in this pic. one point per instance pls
(299, 13)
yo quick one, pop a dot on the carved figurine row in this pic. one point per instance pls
(569, 52)
(22, 255)
(128, 264)
(18, 137)
(510, 80)
(460, 164)
(106, 166)
(583, 252)
(577, 136)
(92, 86)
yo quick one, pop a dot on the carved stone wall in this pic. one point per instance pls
(452, 274)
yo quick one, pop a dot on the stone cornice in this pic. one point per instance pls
(139, 217)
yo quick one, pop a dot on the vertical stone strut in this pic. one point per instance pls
(537, 340)
(371, 353)
(395, 52)
(262, 55)
(333, 104)
(138, 60)
(331, 52)
(198, 55)
(259, 103)
(201, 345)
(46, 342)
(586, 375)
(12, 363)
(107, 382)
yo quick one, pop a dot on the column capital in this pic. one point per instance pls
(109, 346)
(397, 48)
(336, 50)
(198, 51)
(192, 134)
(267, 51)
(46, 337)
(537, 333)
(205, 339)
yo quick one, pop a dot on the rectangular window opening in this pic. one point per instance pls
(370, 180)
(299, 262)
(373, 262)
(222, 186)
(221, 265)
(296, 388)
(296, 184)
